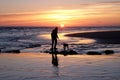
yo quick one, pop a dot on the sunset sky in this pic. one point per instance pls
(59, 12)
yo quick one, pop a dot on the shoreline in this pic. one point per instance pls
(109, 37)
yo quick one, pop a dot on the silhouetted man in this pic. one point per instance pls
(54, 37)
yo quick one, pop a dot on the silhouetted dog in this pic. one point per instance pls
(65, 46)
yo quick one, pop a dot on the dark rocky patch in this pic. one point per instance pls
(13, 51)
(107, 52)
(93, 53)
(65, 53)
(70, 52)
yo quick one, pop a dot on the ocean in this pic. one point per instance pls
(37, 39)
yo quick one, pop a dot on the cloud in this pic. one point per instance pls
(67, 14)
(72, 8)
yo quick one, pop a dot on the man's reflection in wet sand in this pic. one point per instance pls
(54, 59)
(55, 63)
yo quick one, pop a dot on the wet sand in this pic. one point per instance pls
(38, 66)
(112, 37)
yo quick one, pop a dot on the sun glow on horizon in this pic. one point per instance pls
(96, 14)
(62, 25)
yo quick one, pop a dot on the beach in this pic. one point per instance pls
(111, 37)
(38, 66)
(24, 54)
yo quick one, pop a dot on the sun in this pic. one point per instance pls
(62, 25)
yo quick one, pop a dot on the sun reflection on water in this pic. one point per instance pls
(69, 40)
(85, 41)
(48, 36)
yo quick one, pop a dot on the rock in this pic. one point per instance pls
(13, 51)
(54, 52)
(71, 52)
(94, 53)
(107, 52)
(63, 53)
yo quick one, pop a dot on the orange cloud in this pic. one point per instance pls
(105, 13)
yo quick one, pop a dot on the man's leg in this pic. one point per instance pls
(52, 45)
(55, 44)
